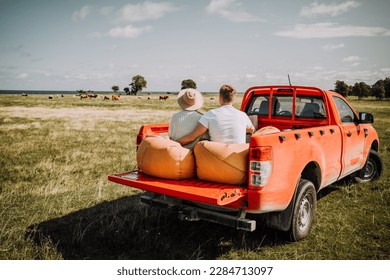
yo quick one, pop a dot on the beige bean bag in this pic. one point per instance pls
(222, 163)
(164, 158)
(267, 130)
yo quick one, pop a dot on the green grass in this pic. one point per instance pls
(56, 201)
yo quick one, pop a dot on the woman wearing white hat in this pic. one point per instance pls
(184, 121)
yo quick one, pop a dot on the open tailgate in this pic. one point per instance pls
(188, 189)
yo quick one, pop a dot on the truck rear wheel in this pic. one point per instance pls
(371, 171)
(304, 210)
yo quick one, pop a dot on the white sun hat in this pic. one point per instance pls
(190, 99)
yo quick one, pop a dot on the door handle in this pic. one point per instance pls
(349, 133)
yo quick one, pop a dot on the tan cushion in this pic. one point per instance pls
(222, 163)
(267, 130)
(164, 158)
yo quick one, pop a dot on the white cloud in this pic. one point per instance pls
(23, 76)
(89, 76)
(128, 13)
(82, 14)
(332, 47)
(351, 59)
(113, 47)
(106, 11)
(249, 76)
(96, 35)
(231, 10)
(316, 9)
(128, 32)
(145, 11)
(385, 70)
(332, 30)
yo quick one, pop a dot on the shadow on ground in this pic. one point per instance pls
(127, 229)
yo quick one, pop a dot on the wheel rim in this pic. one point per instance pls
(305, 213)
(369, 170)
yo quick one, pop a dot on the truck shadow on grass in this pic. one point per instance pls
(127, 229)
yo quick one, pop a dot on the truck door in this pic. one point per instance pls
(352, 138)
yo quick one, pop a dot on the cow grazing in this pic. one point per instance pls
(91, 95)
(50, 96)
(163, 97)
(115, 97)
(83, 96)
(106, 98)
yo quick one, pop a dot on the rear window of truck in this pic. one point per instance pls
(282, 106)
(310, 107)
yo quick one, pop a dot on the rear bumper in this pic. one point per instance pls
(185, 212)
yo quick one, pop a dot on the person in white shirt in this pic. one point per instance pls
(225, 124)
(185, 121)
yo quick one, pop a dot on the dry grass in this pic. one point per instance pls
(56, 201)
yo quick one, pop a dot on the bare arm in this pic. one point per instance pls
(197, 132)
(249, 126)
(250, 129)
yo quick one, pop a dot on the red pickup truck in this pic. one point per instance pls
(322, 139)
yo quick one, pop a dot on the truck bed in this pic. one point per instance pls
(230, 196)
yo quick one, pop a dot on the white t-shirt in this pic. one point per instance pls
(226, 124)
(183, 123)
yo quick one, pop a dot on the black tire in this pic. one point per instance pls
(305, 207)
(371, 171)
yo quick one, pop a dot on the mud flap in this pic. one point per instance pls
(282, 220)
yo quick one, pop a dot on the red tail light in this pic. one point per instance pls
(260, 166)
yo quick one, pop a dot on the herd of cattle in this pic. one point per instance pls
(105, 97)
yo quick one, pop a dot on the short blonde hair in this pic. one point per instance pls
(227, 92)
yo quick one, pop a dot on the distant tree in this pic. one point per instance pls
(138, 83)
(126, 90)
(342, 88)
(361, 90)
(115, 88)
(188, 84)
(378, 90)
(387, 87)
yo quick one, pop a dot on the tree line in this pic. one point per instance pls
(379, 90)
(139, 83)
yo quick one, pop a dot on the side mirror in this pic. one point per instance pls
(366, 118)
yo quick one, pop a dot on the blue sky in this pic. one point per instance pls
(93, 45)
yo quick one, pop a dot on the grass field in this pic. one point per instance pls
(56, 201)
